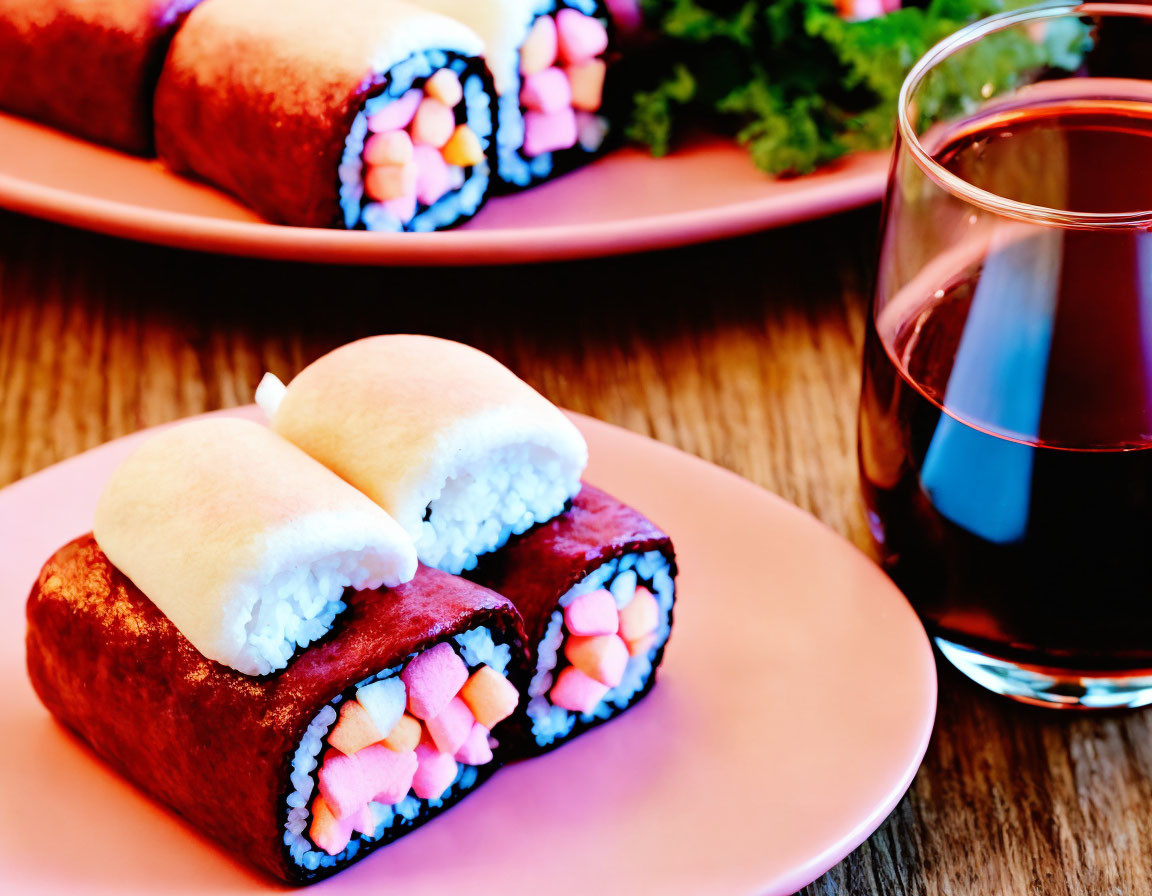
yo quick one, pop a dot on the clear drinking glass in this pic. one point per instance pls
(1006, 416)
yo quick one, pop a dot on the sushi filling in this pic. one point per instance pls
(599, 650)
(416, 157)
(479, 509)
(379, 759)
(549, 117)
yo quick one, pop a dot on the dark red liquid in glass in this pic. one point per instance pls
(1006, 451)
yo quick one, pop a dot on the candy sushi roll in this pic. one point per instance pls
(595, 587)
(362, 114)
(458, 449)
(85, 67)
(548, 60)
(362, 738)
(243, 541)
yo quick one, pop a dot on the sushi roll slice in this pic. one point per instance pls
(243, 541)
(388, 722)
(458, 449)
(362, 114)
(548, 60)
(595, 587)
(87, 67)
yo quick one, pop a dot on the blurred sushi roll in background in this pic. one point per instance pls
(362, 114)
(87, 67)
(457, 448)
(548, 60)
(595, 587)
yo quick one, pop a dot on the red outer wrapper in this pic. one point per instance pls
(536, 569)
(89, 68)
(260, 116)
(274, 143)
(215, 745)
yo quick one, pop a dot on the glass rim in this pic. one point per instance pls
(969, 192)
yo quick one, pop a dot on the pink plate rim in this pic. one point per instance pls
(886, 610)
(850, 183)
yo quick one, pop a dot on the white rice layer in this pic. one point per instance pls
(297, 605)
(480, 508)
(477, 648)
(551, 723)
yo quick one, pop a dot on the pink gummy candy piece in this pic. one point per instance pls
(398, 113)
(433, 678)
(476, 749)
(364, 822)
(388, 774)
(603, 657)
(342, 784)
(546, 91)
(434, 774)
(548, 131)
(403, 208)
(450, 729)
(576, 692)
(579, 37)
(593, 613)
(431, 174)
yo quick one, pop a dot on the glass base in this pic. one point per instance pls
(1047, 687)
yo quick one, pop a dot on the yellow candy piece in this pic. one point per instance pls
(404, 736)
(445, 86)
(354, 729)
(463, 148)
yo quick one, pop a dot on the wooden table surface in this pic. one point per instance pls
(745, 353)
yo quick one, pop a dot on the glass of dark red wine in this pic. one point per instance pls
(1006, 413)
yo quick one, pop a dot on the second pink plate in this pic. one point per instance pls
(627, 202)
(792, 711)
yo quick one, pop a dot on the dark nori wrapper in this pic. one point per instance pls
(211, 743)
(536, 569)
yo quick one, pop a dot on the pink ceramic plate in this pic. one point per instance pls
(791, 713)
(627, 202)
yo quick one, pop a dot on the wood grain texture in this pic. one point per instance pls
(745, 353)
